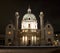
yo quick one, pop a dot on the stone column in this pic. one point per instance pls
(17, 18)
(42, 27)
(16, 29)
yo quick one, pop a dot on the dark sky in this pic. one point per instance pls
(50, 8)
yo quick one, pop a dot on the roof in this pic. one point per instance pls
(29, 15)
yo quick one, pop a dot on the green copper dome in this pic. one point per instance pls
(29, 15)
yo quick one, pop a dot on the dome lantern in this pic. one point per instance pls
(29, 16)
(29, 10)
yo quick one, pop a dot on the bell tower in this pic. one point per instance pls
(42, 27)
(17, 18)
(16, 28)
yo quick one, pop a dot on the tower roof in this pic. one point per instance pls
(29, 15)
(29, 10)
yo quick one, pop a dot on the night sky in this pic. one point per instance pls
(50, 8)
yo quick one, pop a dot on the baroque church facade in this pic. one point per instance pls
(29, 34)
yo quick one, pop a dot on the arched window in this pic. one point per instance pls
(29, 25)
(29, 18)
(48, 26)
(9, 26)
(9, 42)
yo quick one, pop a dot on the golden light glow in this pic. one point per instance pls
(33, 30)
(22, 30)
(26, 30)
(26, 40)
(55, 43)
(49, 32)
(35, 39)
(23, 39)
(41, 13)
(29, 25)
(32, 40)
(9, 32)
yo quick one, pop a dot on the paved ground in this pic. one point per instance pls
(29, 49)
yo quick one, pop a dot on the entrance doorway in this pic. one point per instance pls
(29, 25)
(29, 42)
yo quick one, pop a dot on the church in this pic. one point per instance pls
(29, 34)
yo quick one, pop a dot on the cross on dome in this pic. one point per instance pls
(29, 10)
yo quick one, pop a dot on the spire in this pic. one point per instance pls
(47, 22)
(29, 10)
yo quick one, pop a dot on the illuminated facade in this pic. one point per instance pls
(9, 34)
(29, 21)
(29, 29)
(29, 35)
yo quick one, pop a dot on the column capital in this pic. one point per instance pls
(17, 14)
(41, 14)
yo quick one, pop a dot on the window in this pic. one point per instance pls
(24, 40)
(9, 26)
(48, 26)
(33, 40)
(29, 25)
(9, 40)
(29, 18)
(2, 42)
(49, 32)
